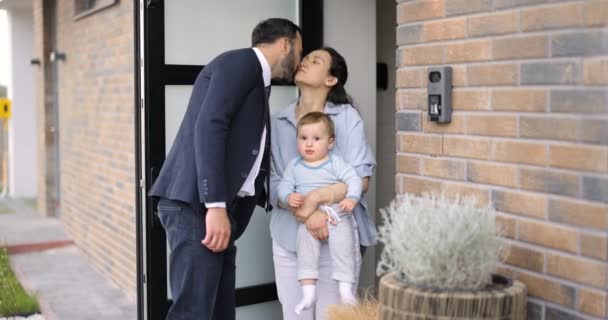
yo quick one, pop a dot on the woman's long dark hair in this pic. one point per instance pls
(337, 94)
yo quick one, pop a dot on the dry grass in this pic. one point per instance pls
(365, 310)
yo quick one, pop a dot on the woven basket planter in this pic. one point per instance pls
(503, 300)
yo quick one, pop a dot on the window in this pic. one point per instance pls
(86, 7)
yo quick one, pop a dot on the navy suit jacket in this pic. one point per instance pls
(219, 137)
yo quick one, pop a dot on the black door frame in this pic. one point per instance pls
(153, 74)
(51, 128)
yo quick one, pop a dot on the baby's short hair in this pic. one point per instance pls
(318, 117)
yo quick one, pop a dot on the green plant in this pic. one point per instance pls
(433, 241)
(14, 301)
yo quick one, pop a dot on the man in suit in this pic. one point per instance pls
(217, 169)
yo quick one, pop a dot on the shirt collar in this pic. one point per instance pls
(289, 111)
(265, 66)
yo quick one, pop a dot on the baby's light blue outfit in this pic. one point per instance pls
(302, 178)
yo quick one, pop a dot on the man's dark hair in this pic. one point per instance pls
(268, 31)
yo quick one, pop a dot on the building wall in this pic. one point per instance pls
(529, 133)
(22, 137)
(96, 135)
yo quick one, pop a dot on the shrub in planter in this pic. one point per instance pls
(438, 258)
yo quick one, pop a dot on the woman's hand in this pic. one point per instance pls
(316, 224)
(309, 205)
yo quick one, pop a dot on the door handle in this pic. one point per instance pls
(55, 55)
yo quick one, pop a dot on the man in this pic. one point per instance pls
(217, 169)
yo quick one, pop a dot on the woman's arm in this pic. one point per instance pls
(330, 194)
(315, 198)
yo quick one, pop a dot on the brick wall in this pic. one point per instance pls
(529, 133)
(96, 121)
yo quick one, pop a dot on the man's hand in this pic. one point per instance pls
(218, 229)
(316, 225)
(295, 200)
(348, 204)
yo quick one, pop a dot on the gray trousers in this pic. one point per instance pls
(343, 250)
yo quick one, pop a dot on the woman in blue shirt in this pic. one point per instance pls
(320, 79)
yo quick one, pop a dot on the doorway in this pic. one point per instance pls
(176, 41)
(169, 61)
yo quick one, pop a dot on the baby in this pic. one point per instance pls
(316, 168)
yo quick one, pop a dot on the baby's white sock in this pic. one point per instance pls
(346, 293)
(308, 298)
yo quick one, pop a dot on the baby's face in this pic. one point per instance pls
(314, 142)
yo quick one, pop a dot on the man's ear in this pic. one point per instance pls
(331, 81)
(285, 45)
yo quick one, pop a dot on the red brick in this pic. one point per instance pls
(594, 245)
(409, 78)
(492, 24)
(526, 258)
(420, 143)
(526, 47)
(444, 168)
(467, 99)
(527, 204)
(593, 302)
(491, 173)
(522, 100)
(578, 157)
(550, 290)
(459, 76)
(471, 51)
(492, 74)
(419, 185)
(408, 164)
(548, 235)
(444, 30)
(419, 10)
(557, 16)
(464, 190)
(595, 71)
(580, 213)
(411, 99)
(492, 125)
(595, 13)
(519, 152)
(545, 128)
(579, 270)
(422, 55)
(457, 7)
(466, 147)
(550, 181)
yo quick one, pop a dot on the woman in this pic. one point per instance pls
(320, 79)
